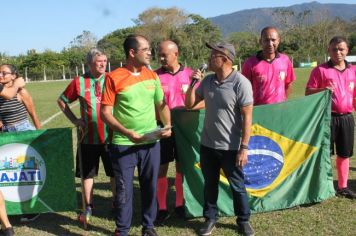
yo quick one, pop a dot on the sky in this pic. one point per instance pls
(53, 24)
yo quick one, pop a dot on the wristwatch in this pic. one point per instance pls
(243, 146)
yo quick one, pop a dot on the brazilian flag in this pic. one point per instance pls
(36, 171)
(288, 158)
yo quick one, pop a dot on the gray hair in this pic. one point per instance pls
(94, 52)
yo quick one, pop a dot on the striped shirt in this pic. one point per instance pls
(88, 90)
(12, 111)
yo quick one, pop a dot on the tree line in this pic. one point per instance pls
(300, 40)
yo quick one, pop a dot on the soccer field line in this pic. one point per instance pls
(57, 114)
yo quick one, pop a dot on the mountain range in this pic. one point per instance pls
(253, 20)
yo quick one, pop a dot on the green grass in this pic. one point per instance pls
(45, 95)
(334, 216)
(302, 75)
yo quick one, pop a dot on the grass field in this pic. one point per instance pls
(332, 217)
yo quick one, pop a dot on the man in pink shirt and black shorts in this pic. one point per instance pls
(175, 79)
(338, 76)
(270, 72)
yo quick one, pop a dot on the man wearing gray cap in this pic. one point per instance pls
(226, 133)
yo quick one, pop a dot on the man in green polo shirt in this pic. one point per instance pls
(130, 98)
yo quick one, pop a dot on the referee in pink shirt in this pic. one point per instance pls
(338, 76)
(175, 79)
(270, 72)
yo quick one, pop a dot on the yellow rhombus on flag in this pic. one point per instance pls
(293, 155)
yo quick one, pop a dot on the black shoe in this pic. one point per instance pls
(346, 192)
(207, 228)
(180, 212)
(149, 232)
(245, 228)
(162, 216)
(8, 231)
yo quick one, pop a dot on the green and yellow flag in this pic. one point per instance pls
(289, 156)
(36, 171)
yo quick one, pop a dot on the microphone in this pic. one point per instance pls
(202, 68)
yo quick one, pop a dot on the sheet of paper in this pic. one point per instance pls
(156, 133)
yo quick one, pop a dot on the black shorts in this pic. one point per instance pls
(342, 135)
(91, 154)
(168, 150)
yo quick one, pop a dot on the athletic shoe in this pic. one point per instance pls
(149, 232)
(26, 218)
(162, 216)
(117, 233)
(180, 212)
(8, 231)
(245, 229)
(207, 228)
(86, 215)
(346, 192)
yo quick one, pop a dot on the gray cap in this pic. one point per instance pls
(226, 48)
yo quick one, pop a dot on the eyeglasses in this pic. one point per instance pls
(216, 56)
(144, 49)
(4, 73)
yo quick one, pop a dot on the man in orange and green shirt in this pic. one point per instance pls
(130, 98)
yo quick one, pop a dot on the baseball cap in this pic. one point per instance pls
(226, 48)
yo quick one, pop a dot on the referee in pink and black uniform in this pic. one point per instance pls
(338, 76)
